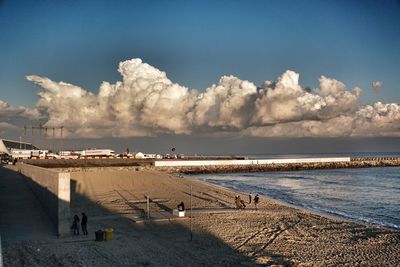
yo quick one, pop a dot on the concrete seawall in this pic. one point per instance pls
(273, 165)
(180, 163)
(52, 188)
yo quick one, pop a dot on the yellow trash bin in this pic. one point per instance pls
(108, 234)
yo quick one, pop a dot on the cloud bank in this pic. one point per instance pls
(146, 103)
(11, 118)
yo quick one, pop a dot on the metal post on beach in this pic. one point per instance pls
(148, 207)
(191, 233)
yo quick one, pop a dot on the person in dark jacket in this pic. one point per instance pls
(256, 200)
(75, 224)
(84, 224)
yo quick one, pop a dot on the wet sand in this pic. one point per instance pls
(274, 234)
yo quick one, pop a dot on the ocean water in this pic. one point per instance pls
(369, 195)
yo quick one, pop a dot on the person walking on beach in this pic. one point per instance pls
(256, 199)
(249, 198)
(242, 204)
(75, 226)
(84, 224)
(237, 202)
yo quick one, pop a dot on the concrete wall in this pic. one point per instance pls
(304, 160)
(53, 191)
(180, 163)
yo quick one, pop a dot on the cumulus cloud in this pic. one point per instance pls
(145, 102)
(12, 118)
(225, 105)
(285, 100)
(377, 85)
(9, 112)
(334, 127)
(377, 120)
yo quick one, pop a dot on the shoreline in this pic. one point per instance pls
(275, 234)
(325, 222)
(331, 216)
(326, 214)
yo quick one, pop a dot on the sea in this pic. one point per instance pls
(367, 195)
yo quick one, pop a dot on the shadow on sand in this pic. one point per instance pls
(144, 243)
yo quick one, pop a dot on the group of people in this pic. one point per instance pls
(240, 204)
(75, 224)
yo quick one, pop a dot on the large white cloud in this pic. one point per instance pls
(377, 120)
(143, 103)
(285, 100)
(146, 102)
(227, 105)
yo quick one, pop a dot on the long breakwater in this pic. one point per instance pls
(227, 166)
(213, 165)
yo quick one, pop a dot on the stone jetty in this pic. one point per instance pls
(367, 162)
(217, 165)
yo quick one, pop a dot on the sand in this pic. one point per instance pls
(275, 234)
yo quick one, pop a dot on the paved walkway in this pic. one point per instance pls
(21, 215)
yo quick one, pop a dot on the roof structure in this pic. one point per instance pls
(7, 145)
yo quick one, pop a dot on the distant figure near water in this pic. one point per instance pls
(256, 199)
(249, 198)
(181, 206)
(239, 203)
(242, 203)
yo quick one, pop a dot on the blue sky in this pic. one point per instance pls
(196, 42)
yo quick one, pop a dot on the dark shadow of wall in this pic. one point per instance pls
(53, 191)
(149, 243)
(152, 243)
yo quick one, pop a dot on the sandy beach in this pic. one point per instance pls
(275, 234)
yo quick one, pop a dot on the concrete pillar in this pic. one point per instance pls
(64, 195)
